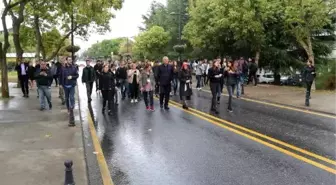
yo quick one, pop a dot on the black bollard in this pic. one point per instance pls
(71, 119)
(69, 180)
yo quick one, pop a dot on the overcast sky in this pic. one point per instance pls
(125, 24)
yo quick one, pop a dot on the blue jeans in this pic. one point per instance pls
(230, 89)
(123, 87)
(240, 82)
(199, 81)
(44, 93)
(175, 84)
(69, 97)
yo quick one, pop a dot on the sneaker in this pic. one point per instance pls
(136, 101)
(147, 108)
(132, 101)
(161, 106)
(152, 108)
(230, 110)
(50, 106)
(166, 108)
(42, 109)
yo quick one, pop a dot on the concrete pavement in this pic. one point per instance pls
(256, 144)
(35, 144)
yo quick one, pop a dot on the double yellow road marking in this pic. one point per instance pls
(250, 134)
(284, 107)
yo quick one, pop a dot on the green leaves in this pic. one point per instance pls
(104, 48)
(152, 43)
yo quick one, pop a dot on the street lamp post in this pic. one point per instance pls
(72, 36)
(179, 26)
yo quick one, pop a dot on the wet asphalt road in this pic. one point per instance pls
(175, 147)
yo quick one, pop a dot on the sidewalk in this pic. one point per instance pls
(35, 144)
(321, 101)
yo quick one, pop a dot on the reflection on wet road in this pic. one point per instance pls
(178, 148)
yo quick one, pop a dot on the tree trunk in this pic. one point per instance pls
(37, 36)
(257, 56)
(16, 23)
(3, 59)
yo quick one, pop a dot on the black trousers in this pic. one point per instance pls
(89, 87)
(251, 77)
(24, 84)
(148, 98)
(165, 94)
(108, 98)
(308, 90)
(134, 87)
(215, 89)
(55, 78)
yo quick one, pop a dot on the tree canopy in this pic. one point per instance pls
(152, 43)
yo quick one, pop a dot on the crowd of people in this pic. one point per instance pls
(146, 79)
(64, 74)
(143, 80)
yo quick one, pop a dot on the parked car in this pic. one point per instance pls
(266, 78)
(294, 80)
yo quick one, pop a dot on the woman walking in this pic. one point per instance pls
(309, 75)
(175, 77)
(147, 84)
(107, 88)
(215, 76)
(231, 75)
(134, 79)
(185, 84)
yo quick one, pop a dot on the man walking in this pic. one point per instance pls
(22, 71)
(165, 76)
(44, 78)
(121, 75)
(309, 75)
(88, 77)
(68, 79)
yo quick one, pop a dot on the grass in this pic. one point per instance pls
(12, 76)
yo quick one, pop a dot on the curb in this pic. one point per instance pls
(83, 137)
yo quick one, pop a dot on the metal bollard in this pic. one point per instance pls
(71, 119)
(69, 180)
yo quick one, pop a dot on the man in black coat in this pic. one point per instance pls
(22, 72)
(165, 76)
(88, 77)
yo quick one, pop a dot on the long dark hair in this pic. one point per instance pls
(232, 67)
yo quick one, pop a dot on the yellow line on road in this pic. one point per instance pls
(309, 161)
(264, 136)
(283, 106)
(105, 172)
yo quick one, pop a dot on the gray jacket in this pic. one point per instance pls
(144, 77)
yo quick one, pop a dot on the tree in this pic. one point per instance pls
(168, 18)
(152, 43)
(4, 46)
(305, 18)
(126, 48)
(17, 20)
(104, 48)
(90, 15)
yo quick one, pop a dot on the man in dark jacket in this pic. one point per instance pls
(308, 76)
(22, 72)
(68, 79)
(98, 69)
(165, 76)
(88, 77)
(44, 79)
(121, 76)
(253, 68)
